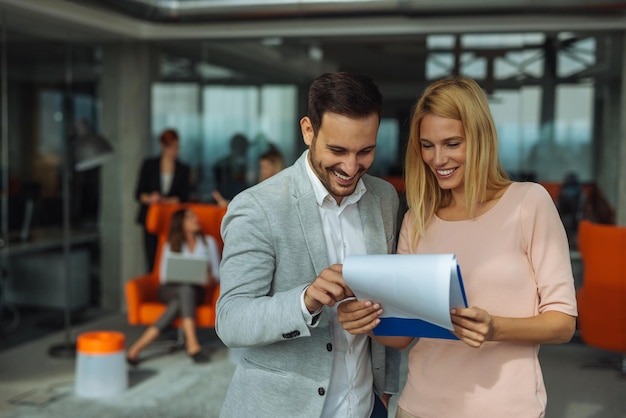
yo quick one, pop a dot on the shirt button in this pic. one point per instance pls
(321, 391)
(329, 347)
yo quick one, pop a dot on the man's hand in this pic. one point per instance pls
(358, 317)
(385, 399)
(327, 289)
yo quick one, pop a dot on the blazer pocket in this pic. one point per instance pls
(253, 364)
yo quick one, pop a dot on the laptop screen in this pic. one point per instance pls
(186, 269)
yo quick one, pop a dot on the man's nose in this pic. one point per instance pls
(351, 165)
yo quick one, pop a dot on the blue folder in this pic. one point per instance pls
(399, 324)
(411, 327)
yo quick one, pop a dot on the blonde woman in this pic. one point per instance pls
(513, 254)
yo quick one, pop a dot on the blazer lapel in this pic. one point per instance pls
(311, 224)
(372, 221)
(309, 215)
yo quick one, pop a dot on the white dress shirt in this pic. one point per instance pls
(166, 182)
(350, 391)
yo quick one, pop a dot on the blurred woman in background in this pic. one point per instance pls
(185, 238)
(162, 179)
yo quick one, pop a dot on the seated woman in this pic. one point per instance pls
(185, 238)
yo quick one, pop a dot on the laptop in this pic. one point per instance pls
(185, 269)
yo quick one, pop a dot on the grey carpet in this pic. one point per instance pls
(172, 386)
(35, 385)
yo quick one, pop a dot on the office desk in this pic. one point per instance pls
(36, 269)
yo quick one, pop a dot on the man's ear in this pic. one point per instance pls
(307, 130)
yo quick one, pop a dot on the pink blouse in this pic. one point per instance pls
(515, 262)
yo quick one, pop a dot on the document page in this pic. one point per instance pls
(415, 291)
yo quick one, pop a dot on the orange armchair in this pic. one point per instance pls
(143, 305)
(602, 297)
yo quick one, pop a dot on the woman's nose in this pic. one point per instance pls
(440, 157)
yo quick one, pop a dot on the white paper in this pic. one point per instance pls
(409, 286)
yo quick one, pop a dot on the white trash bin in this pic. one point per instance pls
(101, 364)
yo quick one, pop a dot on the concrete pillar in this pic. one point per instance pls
(127, 74)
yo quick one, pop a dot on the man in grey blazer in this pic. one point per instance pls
(284, 242)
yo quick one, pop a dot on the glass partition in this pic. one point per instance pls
(208, 117)
(541, 92)
(49, 88)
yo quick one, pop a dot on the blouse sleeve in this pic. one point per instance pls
(163, 265)
(548, 250)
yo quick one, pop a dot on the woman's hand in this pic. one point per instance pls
(219, 199)
(472, 325)
(172, 200)
(150, 198)
(358, 317)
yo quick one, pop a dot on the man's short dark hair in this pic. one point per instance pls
(345, 93)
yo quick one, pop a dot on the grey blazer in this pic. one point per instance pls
(273, 248)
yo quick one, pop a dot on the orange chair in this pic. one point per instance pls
(142, 301)
(602, 297)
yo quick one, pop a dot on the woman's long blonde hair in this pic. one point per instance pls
(461, 99)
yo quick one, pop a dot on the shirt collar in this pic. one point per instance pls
(321, 194)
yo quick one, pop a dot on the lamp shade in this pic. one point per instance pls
(90, 151)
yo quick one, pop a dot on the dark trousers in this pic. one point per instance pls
(379, 410)
(181, 299)
(150, 242)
